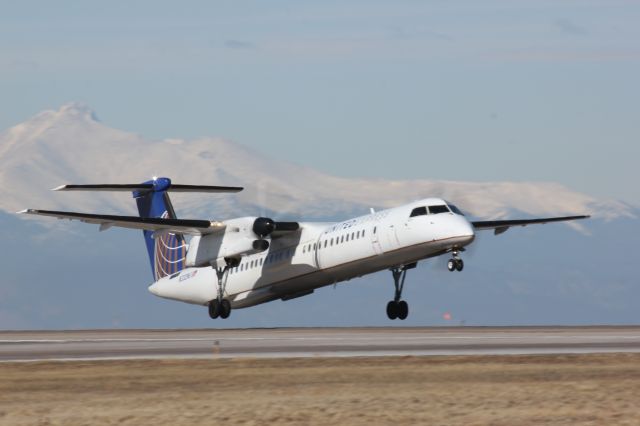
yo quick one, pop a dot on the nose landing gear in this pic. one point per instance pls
(455, 263)
(398, 308)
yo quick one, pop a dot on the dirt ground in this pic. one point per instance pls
(461, 390)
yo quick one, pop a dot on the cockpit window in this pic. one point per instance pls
(455, 210)
(418, 211)
(438, 209)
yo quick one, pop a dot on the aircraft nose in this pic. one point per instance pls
(467, 232)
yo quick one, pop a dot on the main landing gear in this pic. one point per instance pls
(455, 263)
(399, 308)
(221, 307)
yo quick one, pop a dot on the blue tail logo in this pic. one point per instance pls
(167, 251)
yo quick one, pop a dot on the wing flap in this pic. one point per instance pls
(501, 226)
(175, 226)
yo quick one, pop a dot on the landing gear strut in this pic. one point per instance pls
(221, 307)
(399, 308)
(455, 263)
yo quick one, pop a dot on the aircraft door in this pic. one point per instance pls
(375, 240)
(391, 237)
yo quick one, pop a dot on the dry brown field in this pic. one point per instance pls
(449, 390)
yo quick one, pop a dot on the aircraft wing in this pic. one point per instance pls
(500, 226)
(161, 225)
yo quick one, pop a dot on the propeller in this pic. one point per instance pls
(265, 226)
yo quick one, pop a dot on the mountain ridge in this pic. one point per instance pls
(65, 275)
(70, 145)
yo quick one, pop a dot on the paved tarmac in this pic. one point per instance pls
(313, 342)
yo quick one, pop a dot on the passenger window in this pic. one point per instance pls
(342, 239)
(347, 237)
(331, 242)
(325, 243)
(352, 234)
(418, 211)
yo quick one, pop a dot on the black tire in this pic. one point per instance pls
(403, 310)
(392, 310)
(214, 309)
(459, 265)
(451, 265)
(225, 309)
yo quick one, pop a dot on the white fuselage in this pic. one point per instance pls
(321, 254)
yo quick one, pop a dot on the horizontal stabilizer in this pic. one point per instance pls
(500, 226)
(160, 225)
(146, 187)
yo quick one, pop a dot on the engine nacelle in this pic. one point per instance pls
(263, 226)
(242, 236)
(243, 247)
(211, 249)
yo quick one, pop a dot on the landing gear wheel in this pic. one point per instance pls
(451, 265)
(398, 308)
(220, 307)
(214, 309)
(403, 310)
(459, 265)
(392, 310)
(225, 309)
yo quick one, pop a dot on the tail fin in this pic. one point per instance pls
(167, 252)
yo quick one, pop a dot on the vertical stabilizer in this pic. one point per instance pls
(167, 251)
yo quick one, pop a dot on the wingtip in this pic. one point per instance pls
(24, 211)
(59, 188)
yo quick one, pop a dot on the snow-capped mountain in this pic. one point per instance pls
(70, 145)
(53, 278)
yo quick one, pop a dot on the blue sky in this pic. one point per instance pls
(495, 90)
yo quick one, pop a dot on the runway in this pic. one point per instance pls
(313, 342)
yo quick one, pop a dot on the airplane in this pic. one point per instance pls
(246, 261)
